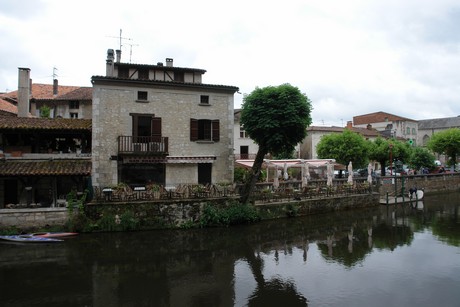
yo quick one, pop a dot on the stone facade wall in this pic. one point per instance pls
(32, 218)
(111, 118)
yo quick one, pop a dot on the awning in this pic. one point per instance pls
(46, 168)
(289, 163)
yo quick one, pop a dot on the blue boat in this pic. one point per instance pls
(29, 239)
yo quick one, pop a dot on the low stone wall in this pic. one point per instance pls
(430, 183)
(173, 213)
(32, 218)
(319, 205)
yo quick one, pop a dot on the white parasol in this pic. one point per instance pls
(329, 173)
(369, 173)
(286, 176)
(305, 175)
(350, 173)
(276, 182)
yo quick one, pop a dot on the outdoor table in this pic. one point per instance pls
(107, 193)
(140, 191)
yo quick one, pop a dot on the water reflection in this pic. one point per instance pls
(358, 258)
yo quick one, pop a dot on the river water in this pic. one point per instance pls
(383, 256)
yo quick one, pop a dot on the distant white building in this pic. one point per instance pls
(245, 147)
(389, 125)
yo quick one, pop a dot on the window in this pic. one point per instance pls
(142, 95)
(179, 76)
(408, 130)
(143, 74)
(73, 115)
(74, 104)
(123, 72)
(204, 130)
(413, 131)
(242, 132)
(204, 99)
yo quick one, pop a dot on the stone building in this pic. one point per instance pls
(41, 159)
(315, 133)
(389, 125)
(160, 124)
(63, 101)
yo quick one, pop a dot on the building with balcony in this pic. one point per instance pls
(160, 124)
(41, 159)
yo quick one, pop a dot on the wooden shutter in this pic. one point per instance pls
(156, 129)
(215, 130)
(193, 129)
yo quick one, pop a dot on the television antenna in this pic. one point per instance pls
(121, 38)
(131, 50)
(55, 75)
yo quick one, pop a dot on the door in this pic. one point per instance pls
(244, 152)
(204, 173)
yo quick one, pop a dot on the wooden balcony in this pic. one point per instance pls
(143, 145)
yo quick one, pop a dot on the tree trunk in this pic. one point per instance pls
(254, 175)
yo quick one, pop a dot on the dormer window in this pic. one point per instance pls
(123, 72)
(143, 74)
(179, 76)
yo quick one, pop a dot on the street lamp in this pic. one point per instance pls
(391, 159)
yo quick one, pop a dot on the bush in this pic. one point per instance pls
(234, 214)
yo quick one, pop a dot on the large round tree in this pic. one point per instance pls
(276, 118)
(344, 147)
(446, 142)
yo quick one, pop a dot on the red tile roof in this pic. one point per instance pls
(8, 107)
(45, 91)
(378, 117)
(45, 168)
(10, 122)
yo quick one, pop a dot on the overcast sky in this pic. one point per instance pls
(349, 57)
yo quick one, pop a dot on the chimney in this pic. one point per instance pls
(349, 124)
(118, 55)
(109, 65)
(55, 87)
(23, 92)
(169, 62)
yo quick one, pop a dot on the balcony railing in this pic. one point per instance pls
(142, 145)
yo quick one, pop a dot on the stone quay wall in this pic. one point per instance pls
(173, 213)
(430, 183)
(32, 218)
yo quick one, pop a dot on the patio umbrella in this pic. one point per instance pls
(305, 175)
(330, 173)
(350, 173)
(276, 182)
(286, 176)
(369, 173)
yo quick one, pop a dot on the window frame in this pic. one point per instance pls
(200, 129)
(140, 96)
(204, 100)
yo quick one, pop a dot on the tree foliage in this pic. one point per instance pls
(421, 157)
(380, 151)
(446, 142)
(344, 147)
(276, 118)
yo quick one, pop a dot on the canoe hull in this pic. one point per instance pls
(28, 239)
(54, 234)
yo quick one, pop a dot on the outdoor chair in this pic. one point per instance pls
(128, 193)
